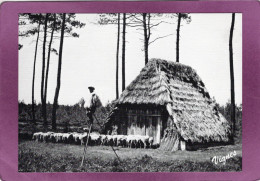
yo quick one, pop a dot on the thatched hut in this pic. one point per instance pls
(169, 102)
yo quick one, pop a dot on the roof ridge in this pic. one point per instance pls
(159, 60)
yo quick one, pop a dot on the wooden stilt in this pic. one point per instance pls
(85, 147)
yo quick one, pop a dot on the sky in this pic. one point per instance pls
(90, 60)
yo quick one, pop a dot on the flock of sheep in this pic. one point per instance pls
(130, 141)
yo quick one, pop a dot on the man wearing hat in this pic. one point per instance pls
(92, 104)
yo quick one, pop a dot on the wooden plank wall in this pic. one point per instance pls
(142, 121)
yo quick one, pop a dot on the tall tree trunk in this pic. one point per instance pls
(232, 84)
(145, 38)
(123, 52)
(33, 79)
(43, 72)
(48, 62)
(178, 38)
(117, 55)
(55, 103)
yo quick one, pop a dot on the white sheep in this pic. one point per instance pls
(102, 139)
(95, 138)
(142, 140)
(135, 141)
(46, 136)
(150, 141)
(83, 138)
(121, 140)
(131, 141)
(67, 137)
(114, 140)
(76, 137)
(58, 137)
(36, 136)
(109, 140)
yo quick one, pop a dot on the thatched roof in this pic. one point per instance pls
(181, 90)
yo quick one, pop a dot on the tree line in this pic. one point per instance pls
(69, 117)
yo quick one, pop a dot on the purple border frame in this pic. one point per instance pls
(9, 84)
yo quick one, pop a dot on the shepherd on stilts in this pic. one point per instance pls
(92, 104)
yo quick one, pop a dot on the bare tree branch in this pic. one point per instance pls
(159, 38)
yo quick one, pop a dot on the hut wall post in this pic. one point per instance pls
(158, 134)
(183, 145)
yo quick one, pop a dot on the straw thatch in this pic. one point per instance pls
(182, 92)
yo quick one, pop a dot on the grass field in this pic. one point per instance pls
(58, 157)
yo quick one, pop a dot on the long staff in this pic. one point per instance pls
(110, 145)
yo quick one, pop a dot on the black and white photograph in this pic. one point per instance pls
(130, 92)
